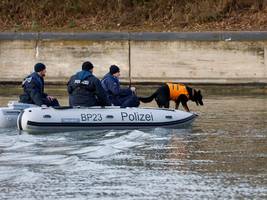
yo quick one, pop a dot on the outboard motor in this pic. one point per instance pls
(9, 115)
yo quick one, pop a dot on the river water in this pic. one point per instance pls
(222, 156)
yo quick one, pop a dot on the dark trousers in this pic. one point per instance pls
(130, 101)
(52, 103)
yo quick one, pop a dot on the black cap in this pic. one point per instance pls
(39, 67)
(114, 69)
(87, 66)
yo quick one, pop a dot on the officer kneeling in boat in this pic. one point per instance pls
(85, 89)
(33, 86)
(118, 96)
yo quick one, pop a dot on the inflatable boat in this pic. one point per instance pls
(48, 119)
(9, 114)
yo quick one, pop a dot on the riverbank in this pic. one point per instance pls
(133, 16)
(145, 89)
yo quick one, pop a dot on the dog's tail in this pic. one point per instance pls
(148, 99)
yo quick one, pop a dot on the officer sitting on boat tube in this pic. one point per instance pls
(85, 89)
(118, 96)
(33, 87)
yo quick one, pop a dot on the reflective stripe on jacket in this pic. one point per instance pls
(177, 89)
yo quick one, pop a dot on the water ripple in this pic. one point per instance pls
(222, 156)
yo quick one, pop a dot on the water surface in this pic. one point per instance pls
(222, 156)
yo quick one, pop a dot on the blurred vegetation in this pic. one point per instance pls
(132, 15)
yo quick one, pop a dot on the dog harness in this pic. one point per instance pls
(176, 90)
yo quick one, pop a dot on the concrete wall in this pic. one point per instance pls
(62, 58)
(237, 57)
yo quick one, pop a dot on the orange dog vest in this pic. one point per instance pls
(176, 90)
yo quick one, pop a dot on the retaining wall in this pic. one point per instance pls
(211, 57)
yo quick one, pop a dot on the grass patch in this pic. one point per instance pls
(94, 15)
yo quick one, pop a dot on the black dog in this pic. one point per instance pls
(176, 92)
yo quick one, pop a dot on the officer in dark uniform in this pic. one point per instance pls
(85, 89)
(123, 97)
(33, 87)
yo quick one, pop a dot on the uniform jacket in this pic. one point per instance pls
(86, 90)
(116, 94)
(33, 87)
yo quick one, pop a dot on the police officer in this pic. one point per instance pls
(85, 89)
(33, 87)
(117, 95)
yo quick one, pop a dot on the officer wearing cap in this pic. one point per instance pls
(33, 87)
(85, 89)
(118, 96)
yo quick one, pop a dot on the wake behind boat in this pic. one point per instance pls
(48, 119)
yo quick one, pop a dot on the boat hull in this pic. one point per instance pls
(40, 120)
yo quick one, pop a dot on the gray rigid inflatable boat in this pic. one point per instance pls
(48, 119)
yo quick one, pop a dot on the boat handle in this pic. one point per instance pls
(168, 117)
(47, 116)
